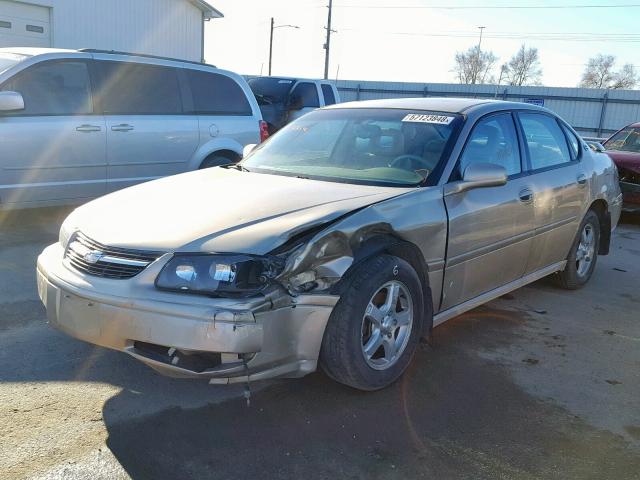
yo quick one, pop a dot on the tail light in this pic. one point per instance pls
(264, 131)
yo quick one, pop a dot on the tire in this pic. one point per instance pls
(351, 328)
(215, 161)
(583, 254)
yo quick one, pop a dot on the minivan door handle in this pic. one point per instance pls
(88, 128)
(123, 127)
(581, 179)
(526, 195)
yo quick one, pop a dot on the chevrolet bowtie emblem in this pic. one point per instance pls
(93, 257)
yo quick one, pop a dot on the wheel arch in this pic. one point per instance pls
(389, 244)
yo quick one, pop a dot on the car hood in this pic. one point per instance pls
(627, 160)
(219, 210)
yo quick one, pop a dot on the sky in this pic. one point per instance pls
(416, 40)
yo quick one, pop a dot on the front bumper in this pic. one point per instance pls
(224, 340)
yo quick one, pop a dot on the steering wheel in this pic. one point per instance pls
(411, 163)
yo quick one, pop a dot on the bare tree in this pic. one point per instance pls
(600, 73)
(626, 77)
(524, 67)
(474, 66)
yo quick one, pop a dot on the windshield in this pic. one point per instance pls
(371, 146)
(8, 60)
(626, 140)
(270, 90)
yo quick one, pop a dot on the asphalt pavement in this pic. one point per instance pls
(541, 383)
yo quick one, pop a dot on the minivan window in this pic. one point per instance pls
(217, 94)
(493, 140)
(8, 60)
(138, 89)
(329, 97)
(307, 93)
(545, 141)
(53, 88)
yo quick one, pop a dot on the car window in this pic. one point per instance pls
(138, 89)
(307, 93)
(493, 140)
(371, 146)
(626, 140)
(53, 88)
(545, 141)
(217, 94)
(329, 97)
(574, 143)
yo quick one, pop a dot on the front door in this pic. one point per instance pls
(54, 149)
(490, 229)
(148, 134)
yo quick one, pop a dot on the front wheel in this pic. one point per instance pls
(376, 325)
(583, 255)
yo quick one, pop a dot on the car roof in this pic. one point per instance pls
(33, 51)
(438, 104)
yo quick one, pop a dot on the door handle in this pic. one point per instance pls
(581, 179)
(526, 195)
(123, 127)
(88, 128)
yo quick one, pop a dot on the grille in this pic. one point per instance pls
(89, 256)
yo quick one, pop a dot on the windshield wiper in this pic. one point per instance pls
(237, 166)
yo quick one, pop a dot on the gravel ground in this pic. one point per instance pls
(541, 383)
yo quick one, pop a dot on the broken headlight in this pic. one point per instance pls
(219, 275)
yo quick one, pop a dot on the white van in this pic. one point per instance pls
(76, 124)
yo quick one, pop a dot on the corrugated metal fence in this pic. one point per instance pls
(591, 112)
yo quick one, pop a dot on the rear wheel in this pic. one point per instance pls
(375, 327)
(583, 255)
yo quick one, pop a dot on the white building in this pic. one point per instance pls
(171, 28)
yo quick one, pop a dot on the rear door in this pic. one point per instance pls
(559, 185)
(490, 229)
(149, 135)
(54, 149)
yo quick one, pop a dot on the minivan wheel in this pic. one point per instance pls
(583, 255)
(376, 325)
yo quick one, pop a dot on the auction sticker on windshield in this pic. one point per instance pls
(417, 117)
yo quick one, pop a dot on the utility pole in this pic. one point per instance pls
(328, 44)
(475, 76)
(270, 46)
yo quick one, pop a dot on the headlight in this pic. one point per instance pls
(66, 230)
(219, 275)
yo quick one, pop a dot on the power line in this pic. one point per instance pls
(487, 7)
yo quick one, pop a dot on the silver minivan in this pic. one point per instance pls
(76, 124)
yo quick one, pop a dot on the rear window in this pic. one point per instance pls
(138, 89)
(217, 94)
(329, 97)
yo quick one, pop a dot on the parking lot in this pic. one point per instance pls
(542, 383)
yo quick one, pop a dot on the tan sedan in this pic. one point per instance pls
(337, 243)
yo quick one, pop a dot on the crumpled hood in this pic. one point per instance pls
(627, 160)
(219, 210)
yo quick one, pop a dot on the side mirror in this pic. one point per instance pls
(11, 101)
(478, 175)
(596, 147)
(248, 149)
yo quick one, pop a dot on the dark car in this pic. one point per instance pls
(624, 149)
(283, 99)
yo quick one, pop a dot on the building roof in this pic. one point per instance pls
(208, 11)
